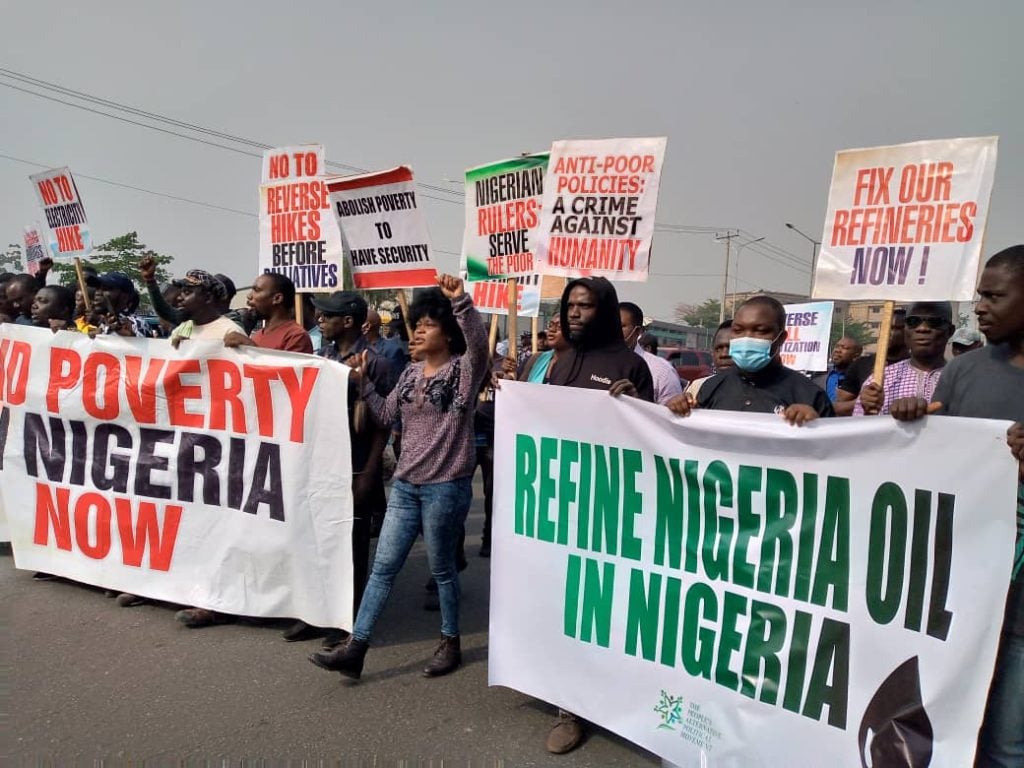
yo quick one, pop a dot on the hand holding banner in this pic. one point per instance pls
(65, 214)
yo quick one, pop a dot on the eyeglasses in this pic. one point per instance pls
(934, 323)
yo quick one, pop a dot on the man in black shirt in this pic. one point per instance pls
(598, 357)
(859, 370)
(759, 382)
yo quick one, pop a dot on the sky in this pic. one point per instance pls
(754, 97)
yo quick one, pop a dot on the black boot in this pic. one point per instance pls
(346, 659)
(447, 657)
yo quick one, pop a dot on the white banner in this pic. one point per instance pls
(383, 228)
(503, 202)
(907, 222)
(728, 590)
(203, 476)
(808, 328)
(35, 248)
(70, 235)
(299, 237)
(597, 215)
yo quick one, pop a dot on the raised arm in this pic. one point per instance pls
(147, 267)
(474, 360)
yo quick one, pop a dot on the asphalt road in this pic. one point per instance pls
(86, 680)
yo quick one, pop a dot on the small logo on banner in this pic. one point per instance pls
(670, 710)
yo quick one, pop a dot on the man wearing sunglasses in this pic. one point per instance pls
(857, 374)
(929, 326)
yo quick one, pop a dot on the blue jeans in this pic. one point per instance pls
(1001, 741)
(439, 511)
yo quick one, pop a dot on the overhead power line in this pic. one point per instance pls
(96, 100)
(764, 249)
(179, 198)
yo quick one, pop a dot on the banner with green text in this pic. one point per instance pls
(727, 590)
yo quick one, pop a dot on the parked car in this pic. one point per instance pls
(690, 364)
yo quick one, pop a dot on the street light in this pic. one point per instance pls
(736, 275)
(814, 254)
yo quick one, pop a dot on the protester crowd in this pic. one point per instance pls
(433, 402)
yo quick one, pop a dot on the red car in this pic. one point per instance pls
(690, 364)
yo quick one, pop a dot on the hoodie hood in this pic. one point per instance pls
(605, 330)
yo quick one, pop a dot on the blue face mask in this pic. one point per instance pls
(751, 354)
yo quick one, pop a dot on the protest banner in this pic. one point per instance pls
(204, 476)
(35, 248)
(597, 214)
(298, 238)
(728, 590)
(65, 215)
(906, 222)
(502, 213)
(305, 161)
(383, 229)
(808, 330)
(492, 296)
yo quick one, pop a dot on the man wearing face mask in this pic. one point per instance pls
(759, 382)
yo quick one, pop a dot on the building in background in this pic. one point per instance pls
(674, 335)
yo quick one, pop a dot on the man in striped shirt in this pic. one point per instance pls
(929, 327)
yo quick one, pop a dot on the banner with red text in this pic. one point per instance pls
(305, 161)
(298, 235)
(808, 332)
(597, 215)
(907, 222)
(727, 590)
(383, 228)
(35, 248)
(65, 215)
(203, 476)
(502, 212)
(492, 296)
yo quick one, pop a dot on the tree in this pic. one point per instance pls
(11, 260)
(704, 315)
(119, 254)
(859, 332)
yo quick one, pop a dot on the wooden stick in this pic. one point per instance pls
(492, 339)
(81, 284)
(882, 352)
(534, 322)
(404, 304)
(513, 307)
(298, 310)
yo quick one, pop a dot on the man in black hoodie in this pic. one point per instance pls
(599, 357)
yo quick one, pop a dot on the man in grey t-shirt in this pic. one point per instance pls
(988, 383)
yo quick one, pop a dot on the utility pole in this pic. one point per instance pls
(736, 272)
(814, 254)
(728, 236)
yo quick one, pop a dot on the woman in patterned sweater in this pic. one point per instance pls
(436, 397)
